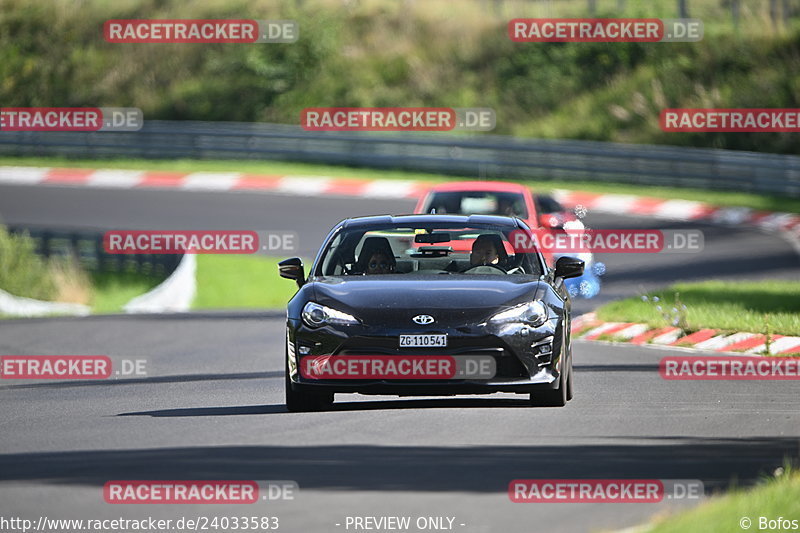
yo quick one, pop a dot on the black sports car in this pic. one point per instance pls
(389, 290)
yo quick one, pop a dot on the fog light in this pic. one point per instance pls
(304, 350)
(543, 345)
(545, 348)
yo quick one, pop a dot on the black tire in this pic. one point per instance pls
(570, 389)
(303, 402)
(552, 398)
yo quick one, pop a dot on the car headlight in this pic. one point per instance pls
(532, 313)
(316, 315)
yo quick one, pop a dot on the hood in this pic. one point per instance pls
(394, 299)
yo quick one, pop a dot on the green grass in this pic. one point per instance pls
(722, 198)
(778, 497)
(22, 272)
(241, 281)
(111, 290)
(25, 274)
(728, 306)
(223, 282)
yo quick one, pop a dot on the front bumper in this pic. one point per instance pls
(545, 380)
(523, 362)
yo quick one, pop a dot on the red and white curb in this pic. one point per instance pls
(619, 204)
(211, 181)
(683, 210)
(588, 327)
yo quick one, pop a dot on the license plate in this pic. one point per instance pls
(423, 341)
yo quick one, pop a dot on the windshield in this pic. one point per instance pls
(506, 204)
(426, 250)
(547, 204)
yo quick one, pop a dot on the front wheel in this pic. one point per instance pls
(555, 397)
(570, 392)
(299, 402)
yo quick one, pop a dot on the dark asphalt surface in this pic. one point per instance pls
(211, 406)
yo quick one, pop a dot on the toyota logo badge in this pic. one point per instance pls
(423, 319)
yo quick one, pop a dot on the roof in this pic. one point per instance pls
(443, 220)
(489, 186)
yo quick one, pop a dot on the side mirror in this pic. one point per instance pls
(292, 269)
(569, 267)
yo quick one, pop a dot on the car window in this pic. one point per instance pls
(547, 204)
(477, 203)
(424, 251)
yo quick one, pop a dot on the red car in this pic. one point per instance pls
(551, 213)
(539, 211)
(495, 198)
(480, 198)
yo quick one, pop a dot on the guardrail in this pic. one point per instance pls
(483, 156)
(87, 248)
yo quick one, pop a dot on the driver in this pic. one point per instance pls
(380, 263)
(376, 257)
(488, 249)
(505, 208)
